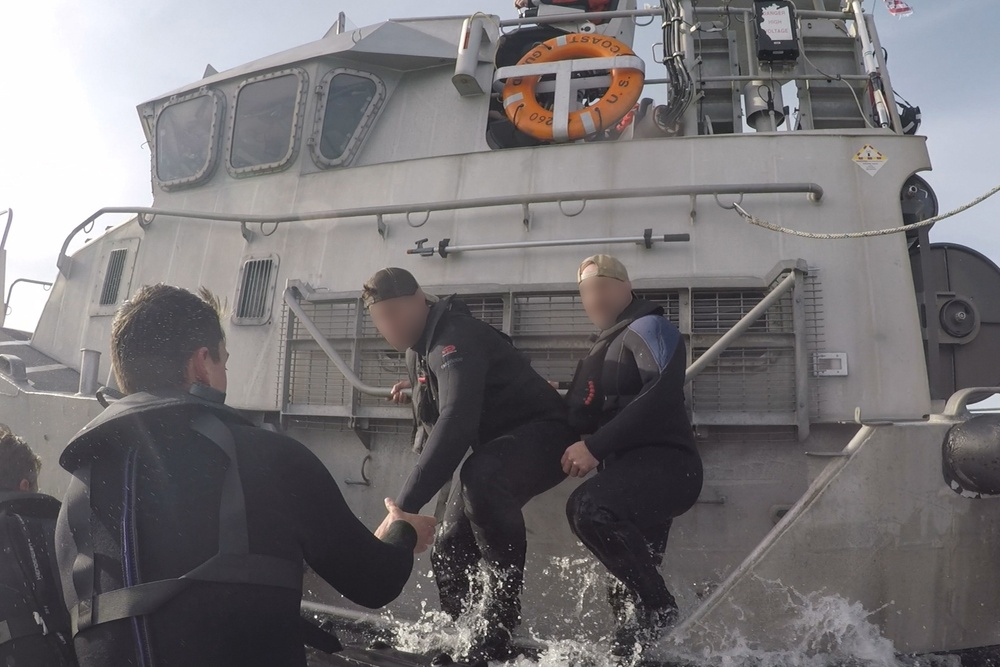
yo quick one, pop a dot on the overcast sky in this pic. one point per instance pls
(72, 74)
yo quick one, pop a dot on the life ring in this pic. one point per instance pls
(530, 117)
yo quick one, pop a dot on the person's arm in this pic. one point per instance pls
(659, 354)
(459, 363)
(341, 549)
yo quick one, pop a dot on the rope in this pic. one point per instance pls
(753, 220)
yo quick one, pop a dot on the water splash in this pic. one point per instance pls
(824, 630)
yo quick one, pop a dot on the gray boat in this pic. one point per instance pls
(754, 173)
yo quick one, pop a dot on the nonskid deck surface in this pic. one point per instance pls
(42, 371)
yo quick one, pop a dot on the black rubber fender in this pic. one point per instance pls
(971, 457)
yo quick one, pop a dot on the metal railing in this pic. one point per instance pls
(10, 290)
(146, 215)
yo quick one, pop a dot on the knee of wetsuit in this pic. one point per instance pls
(481, 478)
(585, 516)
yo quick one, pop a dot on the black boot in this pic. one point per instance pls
(501, 616)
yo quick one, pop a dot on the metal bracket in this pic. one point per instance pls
(527, 215)
(380, 225)
(357, 425)
(421, 250)
(246, 233)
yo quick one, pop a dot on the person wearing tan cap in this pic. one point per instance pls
(475, 391)
(627, 398)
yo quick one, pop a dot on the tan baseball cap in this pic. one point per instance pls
(607, 266)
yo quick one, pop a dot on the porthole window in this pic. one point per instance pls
(266, 122)
(348, 107)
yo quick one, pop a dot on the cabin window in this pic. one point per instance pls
(255, 293)
(186, 139)
(350, 102)
(266, 121)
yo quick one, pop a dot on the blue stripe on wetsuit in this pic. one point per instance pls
(660, 337)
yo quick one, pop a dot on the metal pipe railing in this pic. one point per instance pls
(444, 249)
(292, 301)
(10, 290)
(738, 329)
(956, 405)
(570, 17)
(147, 214)
(6, 229)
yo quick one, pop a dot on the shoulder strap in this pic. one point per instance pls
(232, 564)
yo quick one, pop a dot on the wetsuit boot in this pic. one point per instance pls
(501, 616)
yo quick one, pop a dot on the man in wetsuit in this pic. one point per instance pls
(627, 398)
(183, 533)
(475, 391)
(34, 625)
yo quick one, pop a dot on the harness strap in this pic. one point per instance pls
(21, 625)
(232, 564)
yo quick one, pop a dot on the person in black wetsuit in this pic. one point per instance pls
(168, 482)
(34, 625)
(627, 397)
(474, 391)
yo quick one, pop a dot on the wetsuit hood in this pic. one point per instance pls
(93, 438)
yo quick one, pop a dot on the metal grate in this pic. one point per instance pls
(550, 315)
(719, 311)
(747, 379)
(256, 290)
(113, 277)
(314, 380)
(381, 366)
(334, 319)
(312, 377)
(751, 383)
(669, 301)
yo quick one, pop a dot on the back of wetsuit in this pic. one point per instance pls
(152, 502)
(34, 625)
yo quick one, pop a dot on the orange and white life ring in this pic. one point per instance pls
(530, 117)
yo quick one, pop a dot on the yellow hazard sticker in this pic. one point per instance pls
(870, 159)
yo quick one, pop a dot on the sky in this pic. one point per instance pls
(72, 73)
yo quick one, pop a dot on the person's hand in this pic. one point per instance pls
(521, 4)
(577, 461)
(398, 394)
(423, 524)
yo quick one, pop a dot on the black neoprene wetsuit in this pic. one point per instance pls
(155, 488)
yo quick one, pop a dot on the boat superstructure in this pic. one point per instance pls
(818, 369)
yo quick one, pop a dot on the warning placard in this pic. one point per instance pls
(776, 21)
(870, 159)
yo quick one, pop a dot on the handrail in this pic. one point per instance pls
(571, 17)
(956, 405)
(445, 249)
(6, 229)
(292, 301)
(147, 214)
(738, 329)
(10, 290)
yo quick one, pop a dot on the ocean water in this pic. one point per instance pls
(826, 630)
